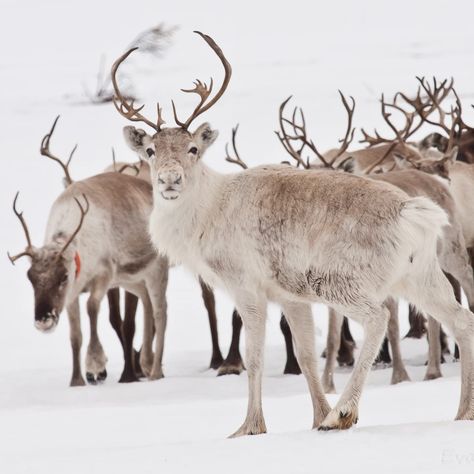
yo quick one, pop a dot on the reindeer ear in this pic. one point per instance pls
(453, 156)
(136, 138)
(348, 165)
(400, 161)
(204, 136)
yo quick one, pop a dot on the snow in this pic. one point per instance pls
(179, 424)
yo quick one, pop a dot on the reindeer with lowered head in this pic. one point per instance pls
(300, 237)
(97, 239)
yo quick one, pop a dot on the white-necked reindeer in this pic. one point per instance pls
(94, 248)
(297, 237)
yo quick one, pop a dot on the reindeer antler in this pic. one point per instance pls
(29, 248)
(45, 151)
(237, 160)
(422, 107)
(300, 134)
(200, 88)
(125, 107)
(83, 211)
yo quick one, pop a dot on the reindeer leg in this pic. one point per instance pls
(95, 357)
(253, 312)
(345, 356)
(417, 323)
(128, 331)
(374, 319)
(233, 363)
(157, 290)
(74, 317)
(115, 318)
(433, 370)
(332, 347)
(291, 366)
(210, 304)
(399, 372)
(300, 319)
(383, 357)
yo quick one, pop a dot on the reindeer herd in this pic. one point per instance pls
(355, 230)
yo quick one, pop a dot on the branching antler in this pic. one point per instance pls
(422, 108)
(83, 211)
(200, 88)
(237, 160)
(299, 135)
(124, 106)
(29, 248)
(45, 151)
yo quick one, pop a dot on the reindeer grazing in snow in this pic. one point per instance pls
(302, 237)
(90, 247)
(126, 330)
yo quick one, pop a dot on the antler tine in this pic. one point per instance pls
(422, 108)
(19, 214)
(285, 139)
(349, 135)
(125, 108)
(201, 88)
(237, 160)
(84, 211)
(45, 151)
(300, 135)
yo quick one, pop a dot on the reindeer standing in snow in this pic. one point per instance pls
(301, 237)
(97, 239)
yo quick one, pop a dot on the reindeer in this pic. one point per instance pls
(125, 331)
(92, 252)
(141, 170)
(302, 237)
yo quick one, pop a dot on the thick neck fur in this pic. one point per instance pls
(176, 226)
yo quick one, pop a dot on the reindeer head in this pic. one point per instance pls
(429, 164)
(172, 152)
(52, 272)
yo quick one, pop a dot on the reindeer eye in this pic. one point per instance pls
(160, 181)
(193, 150)
(150, 152)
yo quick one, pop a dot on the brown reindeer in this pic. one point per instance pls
(106, 249)
(125, 330)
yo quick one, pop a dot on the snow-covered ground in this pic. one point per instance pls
(48, 49)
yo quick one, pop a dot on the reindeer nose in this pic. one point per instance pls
(170, 178)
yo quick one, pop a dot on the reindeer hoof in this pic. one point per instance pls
(128, 377)
(90, 377)
(292, 367)
(249, 429)
(101, 376)
(216, 361)
(436, 374)
(339, 419)
(398, 377)
(77, 382)
(231, 368)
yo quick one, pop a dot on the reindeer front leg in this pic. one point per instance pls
(95, 358)
(157, 291)
(252, 309)
(74, 316)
